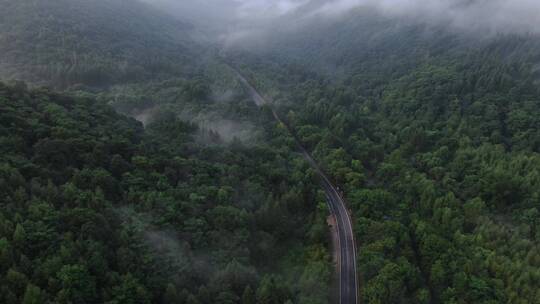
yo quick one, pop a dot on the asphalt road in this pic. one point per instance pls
(348, 280)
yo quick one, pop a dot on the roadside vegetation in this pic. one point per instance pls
(432, 136)
(438, 157)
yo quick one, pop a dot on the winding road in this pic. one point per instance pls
(346, 251)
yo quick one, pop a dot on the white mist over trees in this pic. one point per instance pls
(425, 113)
(489, 16)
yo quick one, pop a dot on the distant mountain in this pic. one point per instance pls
(94, 43)
(364, 41)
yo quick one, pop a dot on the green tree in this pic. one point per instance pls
(78, 286)
(130, 291)
(532, 217)
(19, 236)
(32, 295)
(16, 281)
(271, 292)
(171, 295)
(248, 297)
(473, 209)
(5, 254)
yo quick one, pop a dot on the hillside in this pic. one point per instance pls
(95, 43)
(369, 47)
(431, 133)
(433, 137)
(96, 209)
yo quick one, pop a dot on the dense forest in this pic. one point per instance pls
(123, 52)
(97, 209)
(438, 156)
(65, 43)
(432, 135)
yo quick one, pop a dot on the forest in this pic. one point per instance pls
(96, 209)
(92, 44)
(438, 158)
(135, 167)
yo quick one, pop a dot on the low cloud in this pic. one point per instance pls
(257, 9)
(227, 131)
(214, 129)
(493, 16)
(502, 16)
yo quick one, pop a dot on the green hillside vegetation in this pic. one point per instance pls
(121, 52)
(432, 135)
(437, 156)
(96, 209)
(63, 43)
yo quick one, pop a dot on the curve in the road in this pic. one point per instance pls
(348, 280)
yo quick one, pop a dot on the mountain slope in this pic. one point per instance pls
(434, 138)
(96, 209)
(96, 43)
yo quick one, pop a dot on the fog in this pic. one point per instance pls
(167, 245)
(493, 16)
(241, 17)
(214, 129)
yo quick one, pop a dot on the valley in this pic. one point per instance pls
(205, 151)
